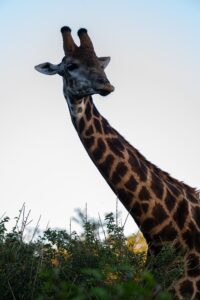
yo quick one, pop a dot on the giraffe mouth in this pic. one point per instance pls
(103, 92)
(106, 90)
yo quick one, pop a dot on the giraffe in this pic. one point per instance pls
(165, 209)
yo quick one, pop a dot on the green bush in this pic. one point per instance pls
(97, 264)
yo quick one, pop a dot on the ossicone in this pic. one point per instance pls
(85, 39)
(68, 42)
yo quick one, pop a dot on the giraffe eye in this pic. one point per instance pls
(72, 67)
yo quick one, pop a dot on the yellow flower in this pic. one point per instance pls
(136, 243)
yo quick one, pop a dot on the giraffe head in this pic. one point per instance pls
(82, 71)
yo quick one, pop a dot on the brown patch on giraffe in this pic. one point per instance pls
(196, 215)
(95, 112)
(148, 224)
(186, 288)
(79, 110)
(121, 169)
(125, 197)
(181, 213)
(192, 226)
(157, 186)
(116, 146)
(189, 238)
(193, 199)
(100, 149)
(144, 194)
(192, 239)
(115, 179)
(137, 166)
(106, 165)
(168, 233)
(88, 142)
(81, 125)
(131, 184)
(159, 213)
(97, 125)
(88, 112)
(145, 207)
(119, 173)
(193, 265)
(197, 241)
(170, 201)
(105, 126)
(89, 131)
(136, 210)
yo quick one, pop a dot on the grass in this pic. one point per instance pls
(100, 263)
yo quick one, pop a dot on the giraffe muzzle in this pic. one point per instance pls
(106, 90)
(103, 87)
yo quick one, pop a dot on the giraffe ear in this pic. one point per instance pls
(48, 68)
(104, 61)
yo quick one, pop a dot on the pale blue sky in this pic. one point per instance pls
(155, 68)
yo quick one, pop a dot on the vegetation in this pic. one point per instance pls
(101, 264)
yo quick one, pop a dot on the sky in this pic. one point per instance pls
(155, 68)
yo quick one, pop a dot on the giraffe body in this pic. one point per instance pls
(165, 209)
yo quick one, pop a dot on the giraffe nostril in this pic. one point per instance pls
(102, 81)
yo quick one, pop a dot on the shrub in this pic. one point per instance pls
(97, 264)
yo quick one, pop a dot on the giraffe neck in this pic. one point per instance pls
(105, 146)
(148, 193)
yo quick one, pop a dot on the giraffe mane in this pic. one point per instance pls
(166, 177)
